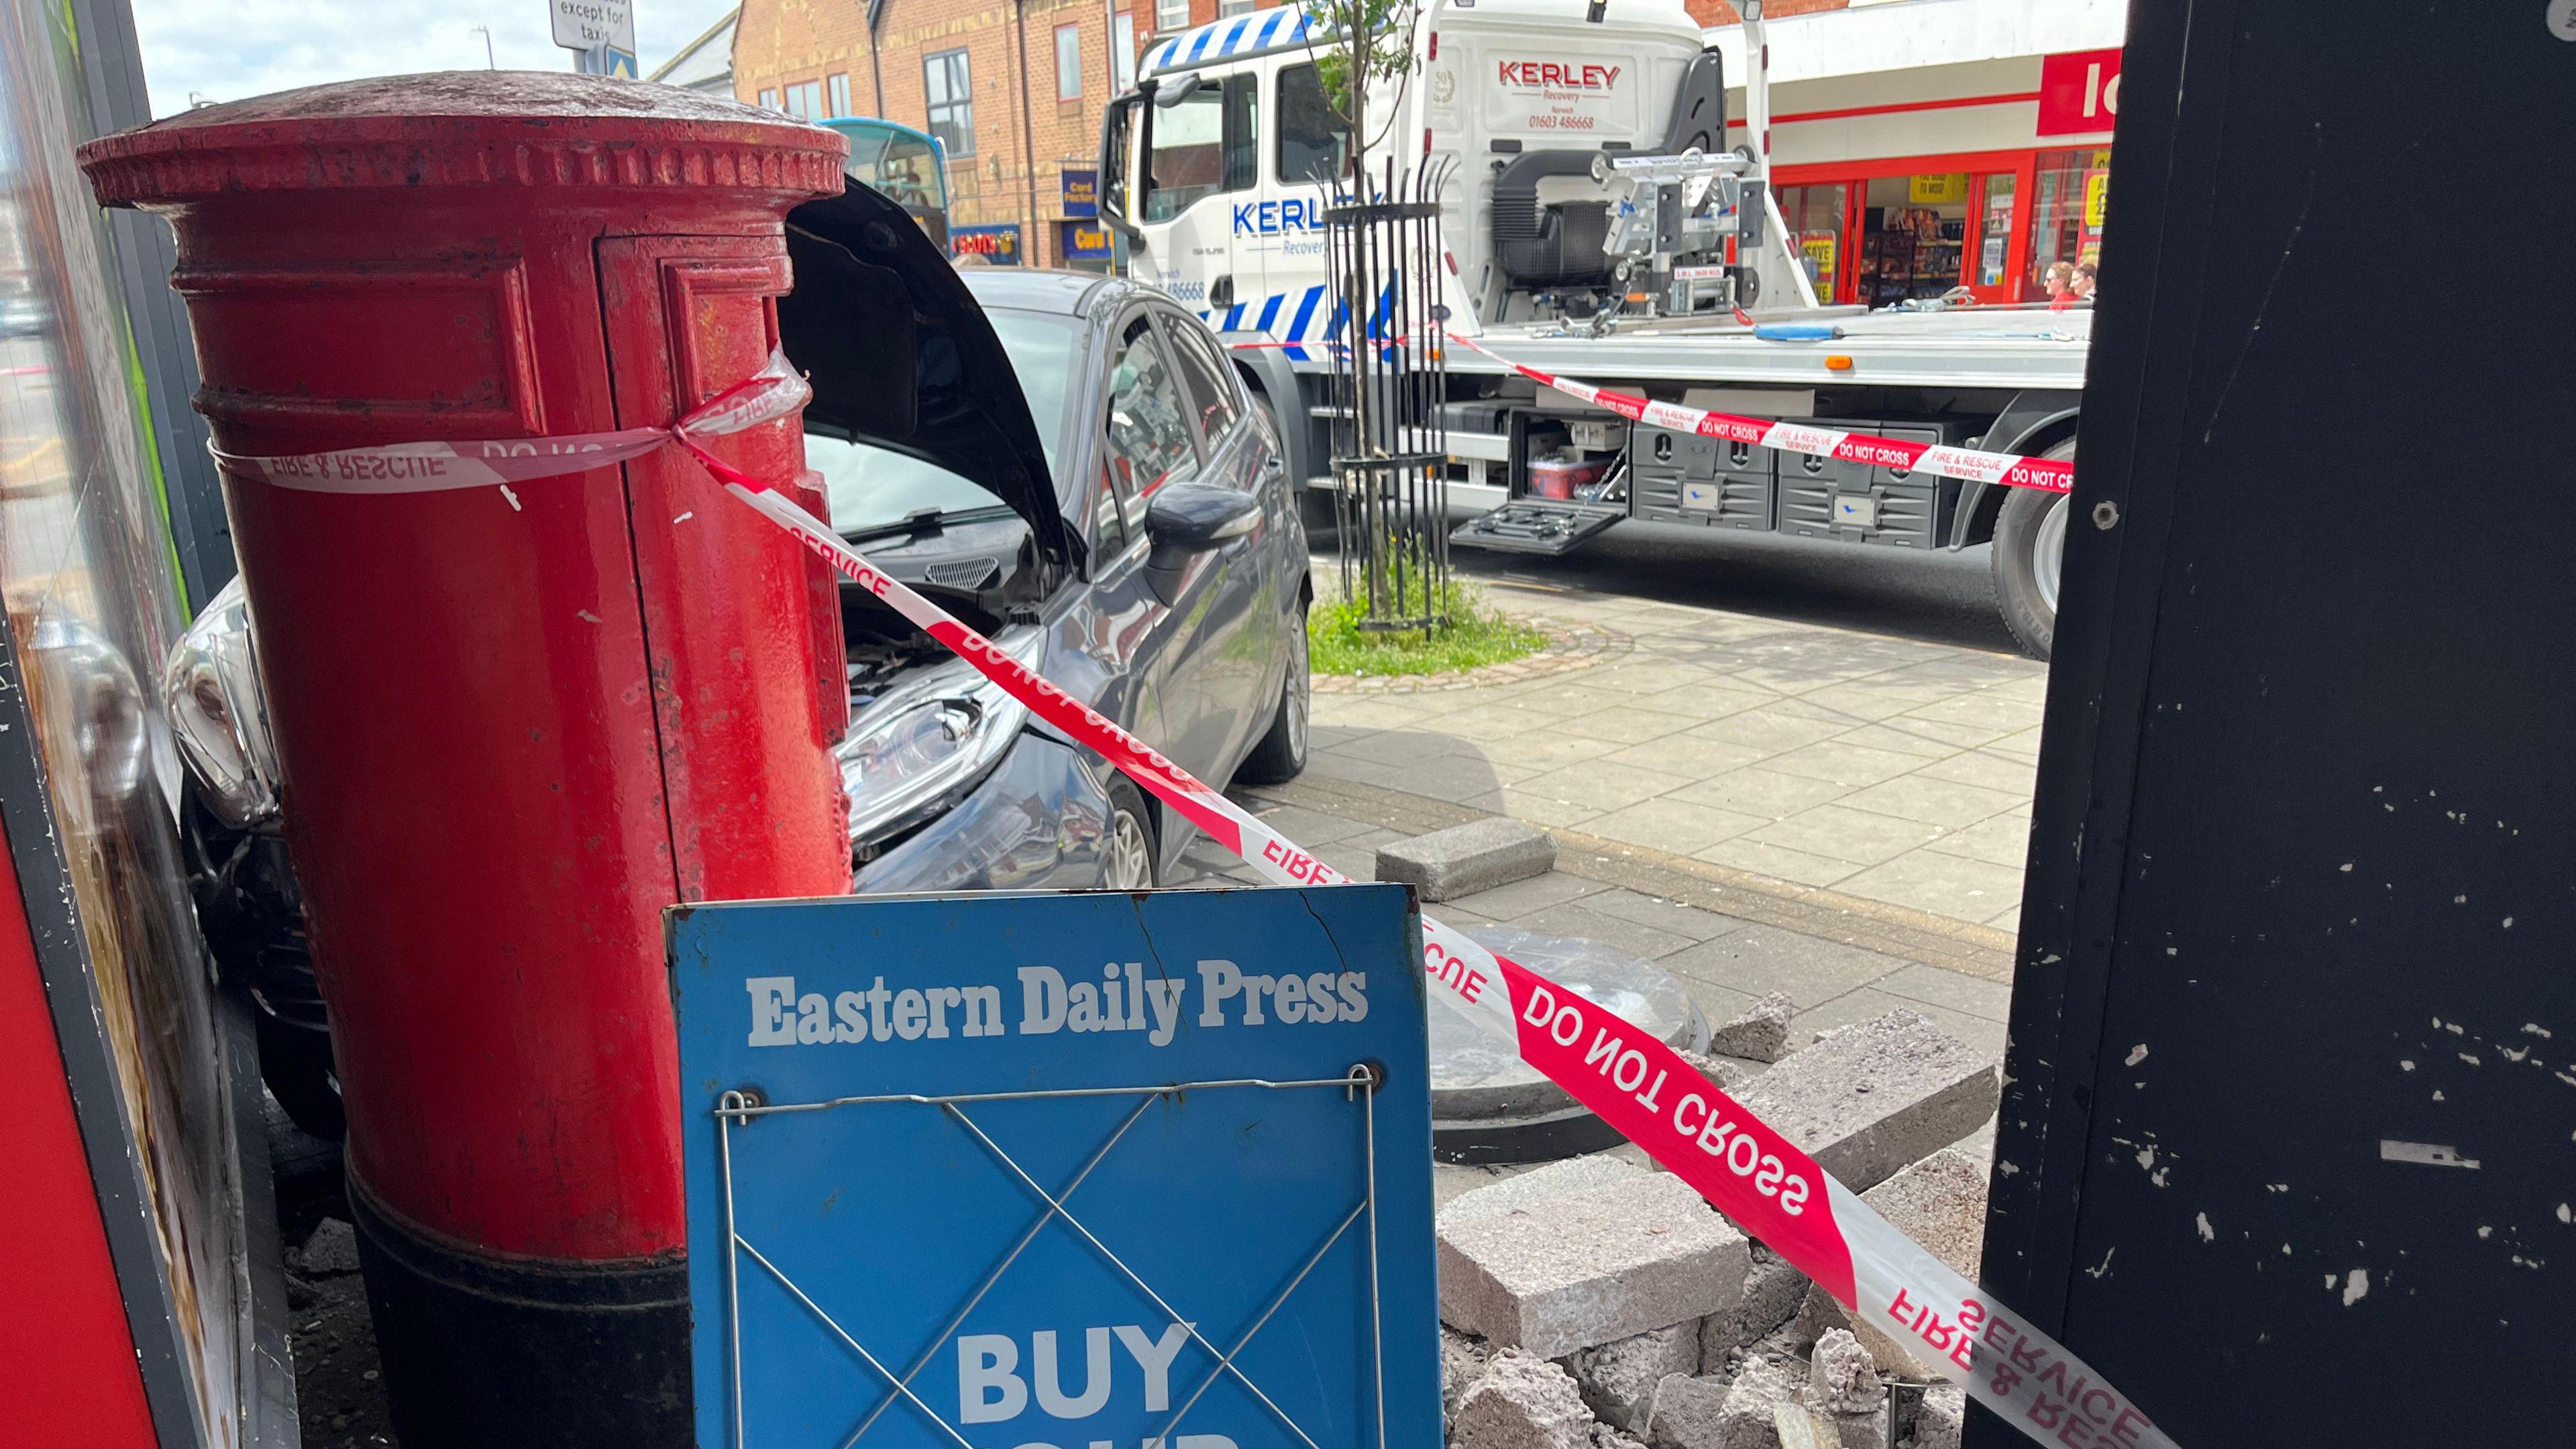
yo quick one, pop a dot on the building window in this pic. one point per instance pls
(1068, 62)
(1225, 8)
(951, 93)
(1122, 52)
(1171, 15)
(1311, 139)
(840, 93)
(2066, 213)
(769, 100)
(805, 100)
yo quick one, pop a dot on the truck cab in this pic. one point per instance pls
(1218, 167)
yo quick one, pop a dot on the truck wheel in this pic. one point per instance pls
(2030, 545)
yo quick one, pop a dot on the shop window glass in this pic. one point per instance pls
(1814, 215)
(1310, 138)
(2066, 211)
(1913, 230)
(950, 90)
(1994, 230)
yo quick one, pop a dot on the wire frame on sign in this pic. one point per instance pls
(1390, 431)
(737, 1111)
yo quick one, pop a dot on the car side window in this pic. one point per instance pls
(1215, 404)
(1149, 419)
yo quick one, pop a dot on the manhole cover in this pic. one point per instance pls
(1487, 1105)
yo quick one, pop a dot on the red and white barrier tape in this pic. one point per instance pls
(2050, 475)
(1636, 1083)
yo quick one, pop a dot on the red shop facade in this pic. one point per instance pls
(1911, 163)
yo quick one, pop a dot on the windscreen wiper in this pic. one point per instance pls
(922, 522)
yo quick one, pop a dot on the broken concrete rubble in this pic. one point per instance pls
(1761, 1034)
(1942, 1420)
(1840, 1377)
(1684, 1411)
(1462, 1362)
(1772, 1292)
(1573, 1270)
(1940, 1203)
(1750, 1418)
(1876, 1096)
(1618, 1379)
(1723, 1071)
(1522, 1401)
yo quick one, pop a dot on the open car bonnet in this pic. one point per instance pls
(901, 357)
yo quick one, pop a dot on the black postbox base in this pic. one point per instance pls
(486, 1352)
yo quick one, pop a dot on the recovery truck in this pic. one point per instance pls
(1598, 227)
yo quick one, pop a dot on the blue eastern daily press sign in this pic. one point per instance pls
(1173, 1069)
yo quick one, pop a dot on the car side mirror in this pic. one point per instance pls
(1186, 520)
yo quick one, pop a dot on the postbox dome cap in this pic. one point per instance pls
(466, 128)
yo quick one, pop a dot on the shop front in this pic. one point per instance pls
(1914, 166)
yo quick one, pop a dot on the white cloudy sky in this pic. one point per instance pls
(227, 49)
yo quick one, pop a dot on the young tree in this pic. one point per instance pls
(1358, 45)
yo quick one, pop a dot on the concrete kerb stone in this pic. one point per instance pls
(1465, 859)
(1576, 1270)
(1522, 1401)
(1875, 1097)
(1940, 1203)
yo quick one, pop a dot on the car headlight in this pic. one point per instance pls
(926, 737)
(210, 691)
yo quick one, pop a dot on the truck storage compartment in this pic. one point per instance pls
(1866, 503)
(1685, 478)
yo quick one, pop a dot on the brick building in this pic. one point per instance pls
(1013, 88)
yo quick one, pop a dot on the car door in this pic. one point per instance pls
(1146, 441)
(1225, 637)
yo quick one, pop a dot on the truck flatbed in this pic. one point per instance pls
(2016, 348)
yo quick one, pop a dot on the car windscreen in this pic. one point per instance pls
(872, 487)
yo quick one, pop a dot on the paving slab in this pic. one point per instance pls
(1585, 1268)
(1445, 865)
(1876, 1097)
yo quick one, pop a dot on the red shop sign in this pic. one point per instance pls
(2079, 93)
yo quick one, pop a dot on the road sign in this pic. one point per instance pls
(606, 60)
(1060, 1170)
(589, 24)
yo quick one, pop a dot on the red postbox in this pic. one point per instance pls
(515, 724)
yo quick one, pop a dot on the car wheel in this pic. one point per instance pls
(1281, 755)
(2030, 550)
(1127, 850)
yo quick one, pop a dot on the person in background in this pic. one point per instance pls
(2086, 275)
(2059, 279)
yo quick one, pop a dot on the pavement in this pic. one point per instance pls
(1757, 804)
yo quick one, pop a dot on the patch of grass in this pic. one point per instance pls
(1477, 634)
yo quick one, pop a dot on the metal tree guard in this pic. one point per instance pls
(1390, 431)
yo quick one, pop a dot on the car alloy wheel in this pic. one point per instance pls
(1127, 861)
